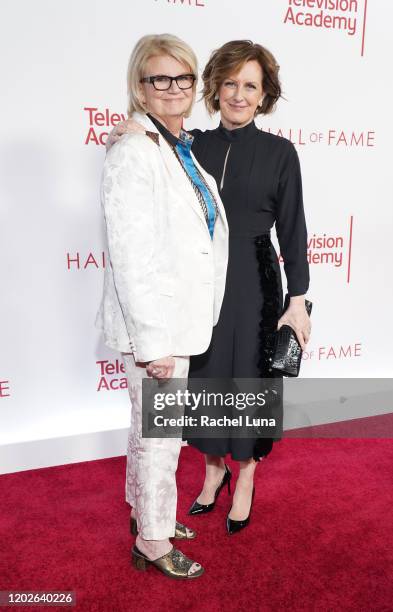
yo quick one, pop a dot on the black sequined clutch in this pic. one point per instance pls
(287, 353)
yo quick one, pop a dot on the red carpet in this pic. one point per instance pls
(379, 426)
(321, 536)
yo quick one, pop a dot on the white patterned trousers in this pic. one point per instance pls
(151, 462)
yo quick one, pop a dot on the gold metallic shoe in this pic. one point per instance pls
(174, 564)
(180, 530)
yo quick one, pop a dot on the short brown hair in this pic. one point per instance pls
(229, 59)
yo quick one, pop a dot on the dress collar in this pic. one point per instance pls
(238, 134)
(184, 137)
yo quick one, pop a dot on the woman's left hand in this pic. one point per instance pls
(161, 368)
(296, 317)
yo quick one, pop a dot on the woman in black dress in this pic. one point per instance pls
(258, 175)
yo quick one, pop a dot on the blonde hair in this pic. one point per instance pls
(150, 46)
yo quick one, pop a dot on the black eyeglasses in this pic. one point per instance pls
(162, 82)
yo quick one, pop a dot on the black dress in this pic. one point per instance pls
(259, 180)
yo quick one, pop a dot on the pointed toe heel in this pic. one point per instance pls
(198, 508)
(236, 526)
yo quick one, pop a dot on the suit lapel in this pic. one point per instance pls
(179, 175)
(213, 186)
(181, 179)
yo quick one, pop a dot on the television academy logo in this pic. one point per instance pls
(348, 16)
(5, 388)
(332, 137)
(111, 375)
(329, 250)
(98, 119)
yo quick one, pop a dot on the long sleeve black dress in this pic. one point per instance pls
(259, 179)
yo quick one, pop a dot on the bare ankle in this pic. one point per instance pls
(245, 482)
(153, 549)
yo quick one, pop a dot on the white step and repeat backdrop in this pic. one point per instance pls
(63, 67)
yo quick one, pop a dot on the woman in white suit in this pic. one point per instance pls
(168, 246)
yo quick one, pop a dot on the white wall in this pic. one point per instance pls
(59, 59)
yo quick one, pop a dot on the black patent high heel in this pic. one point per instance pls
(198, 508)
(235, 526)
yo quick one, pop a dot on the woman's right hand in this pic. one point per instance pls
(124, 127)
(161, 368)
